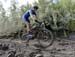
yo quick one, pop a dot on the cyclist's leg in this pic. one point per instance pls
(27, 23)
(28, 30)
(27, 27)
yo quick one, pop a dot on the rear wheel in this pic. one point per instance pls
(45, 38)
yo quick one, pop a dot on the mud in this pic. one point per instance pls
(18, 48)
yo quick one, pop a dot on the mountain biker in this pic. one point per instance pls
(29, 13)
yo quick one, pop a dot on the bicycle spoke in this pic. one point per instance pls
(45, 38)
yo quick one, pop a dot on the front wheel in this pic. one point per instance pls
(45, 38)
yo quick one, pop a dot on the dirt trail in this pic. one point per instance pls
(60, 48)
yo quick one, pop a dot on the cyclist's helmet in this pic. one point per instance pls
(35, 7)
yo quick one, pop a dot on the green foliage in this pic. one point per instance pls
(59, 12)
(63, 12)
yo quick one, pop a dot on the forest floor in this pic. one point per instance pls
(60, 48)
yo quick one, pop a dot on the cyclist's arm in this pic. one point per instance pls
(31, 14)
(34, 17)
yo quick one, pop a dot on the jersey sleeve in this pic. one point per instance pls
(32, 12)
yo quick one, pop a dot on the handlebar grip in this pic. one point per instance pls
(38, 21)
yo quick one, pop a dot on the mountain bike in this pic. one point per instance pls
(41, 33)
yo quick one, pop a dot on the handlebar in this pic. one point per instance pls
(38, 22)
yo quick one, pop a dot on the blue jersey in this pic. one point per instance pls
(27, 13)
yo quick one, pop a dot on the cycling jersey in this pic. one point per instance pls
(26, 15)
